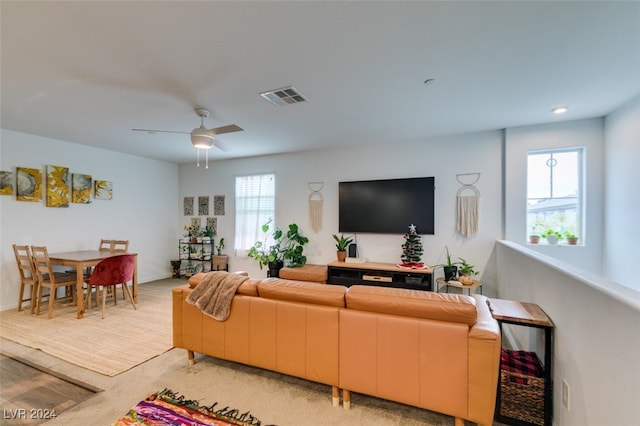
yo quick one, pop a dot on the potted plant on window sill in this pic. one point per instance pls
(552, 236)
(572, 239)
(341, 246)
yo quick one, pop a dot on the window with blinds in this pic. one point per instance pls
(255, 205)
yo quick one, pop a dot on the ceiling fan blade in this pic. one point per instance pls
(220, 145)
(226, 129)
(159, 131)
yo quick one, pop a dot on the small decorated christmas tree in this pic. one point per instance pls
(412, 249)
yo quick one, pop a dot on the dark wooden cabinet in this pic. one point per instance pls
(379, 274)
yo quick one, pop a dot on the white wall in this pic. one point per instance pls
(143, 208)
(596, 339)
(581, 133)
(622, 200)
(442, 158)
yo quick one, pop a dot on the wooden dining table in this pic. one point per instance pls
(82, 259)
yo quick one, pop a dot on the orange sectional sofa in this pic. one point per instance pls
(436, 351)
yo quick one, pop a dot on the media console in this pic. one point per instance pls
(379, 274)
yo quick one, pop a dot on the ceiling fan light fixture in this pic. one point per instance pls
(201, 139)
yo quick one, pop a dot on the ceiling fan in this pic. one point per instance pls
(201, 137)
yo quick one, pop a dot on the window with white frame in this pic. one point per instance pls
(555, 192)
(255, 205)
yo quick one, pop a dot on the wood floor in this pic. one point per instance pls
(31, 395)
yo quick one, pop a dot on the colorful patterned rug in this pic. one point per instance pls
(169, 408)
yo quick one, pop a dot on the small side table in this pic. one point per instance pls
(476, 284)
(528, 315)
(221, 263)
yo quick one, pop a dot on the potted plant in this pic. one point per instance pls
(268, 255)
(286, 247)
(466, 272)
(293, 247)
(220, 246)
(552, 236)
(466, 268)
(341, 246)
(572, 239)
(534, 235)
(208, 232)
(450, 269)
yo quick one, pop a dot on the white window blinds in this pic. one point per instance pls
(255, 205)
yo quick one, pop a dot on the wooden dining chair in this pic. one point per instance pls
(47, 278)
(120, 246)
(105, 245)
(27, 276)
(110, 272)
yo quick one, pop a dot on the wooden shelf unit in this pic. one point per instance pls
(379, 274)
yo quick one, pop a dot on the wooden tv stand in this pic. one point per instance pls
(379, 274)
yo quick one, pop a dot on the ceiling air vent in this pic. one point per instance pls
(284, 96)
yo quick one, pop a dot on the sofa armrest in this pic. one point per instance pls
(177, 312)
(484, 364)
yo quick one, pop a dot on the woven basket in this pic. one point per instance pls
(522, 401)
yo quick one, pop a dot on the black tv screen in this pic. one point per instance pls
(387, 206)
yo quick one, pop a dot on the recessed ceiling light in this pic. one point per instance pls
(560, 109)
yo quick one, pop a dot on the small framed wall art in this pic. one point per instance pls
(203, 205)
(28, 184)
(6, 183)
(218, 205)
(57, 186)
(187, 206)
(80, 188)
(103, 190)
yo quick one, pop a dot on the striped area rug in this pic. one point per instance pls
(169, 408)
(109, 346)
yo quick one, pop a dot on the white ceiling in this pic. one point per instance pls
(88, 72)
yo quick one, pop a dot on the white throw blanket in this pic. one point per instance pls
(214, 293)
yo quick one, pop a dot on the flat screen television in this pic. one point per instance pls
(387, 206)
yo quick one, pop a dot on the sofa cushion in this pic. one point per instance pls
(302, 291)
(413, 303)
(247, 288)
(308, 272)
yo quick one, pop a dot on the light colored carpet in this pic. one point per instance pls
(109, 346)
(273, 398)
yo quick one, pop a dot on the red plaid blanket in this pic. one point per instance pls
(521, 362)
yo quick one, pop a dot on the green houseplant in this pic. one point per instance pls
(572, 239)
(268, 255)
(341, 246)
(449, 267)
(287, 247)
(220, 246)
(293, 247)
(552, 236)
(466, 268)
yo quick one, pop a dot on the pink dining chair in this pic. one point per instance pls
(109, 273)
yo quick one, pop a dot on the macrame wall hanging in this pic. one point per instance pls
(468, 200)
(316, 202)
